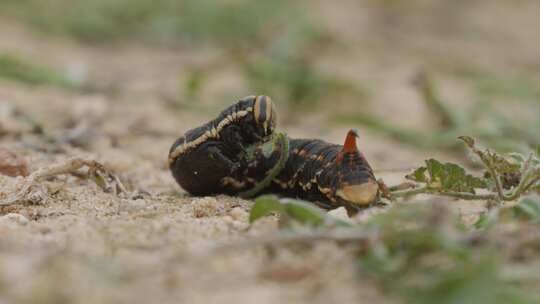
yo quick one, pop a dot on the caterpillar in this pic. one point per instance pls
(233, 153)
(201, 158)
(327, 174)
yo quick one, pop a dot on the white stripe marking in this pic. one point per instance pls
(213, 133)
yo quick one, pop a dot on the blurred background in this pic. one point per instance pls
(418, 72)
(120, 80)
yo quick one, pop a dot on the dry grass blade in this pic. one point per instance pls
(431, 99)
(33, 191)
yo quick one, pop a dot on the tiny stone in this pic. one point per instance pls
(227, 219)
(205, 206)
(135, 205)
(238, 214)
(42, 228)
(340, 213)
(12, 164)
(238, 225)
(16, 218)
(152, 207)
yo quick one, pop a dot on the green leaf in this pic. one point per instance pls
(538, 150)
(517, 157)
(487, 219)
(529, 208)
(503, 165)
(305, 213)
(302, 212)
(469, 141)
(508, 169)
(99, 180)
(264, 206)
(491, 159)
(423, 262)
(446, 177)
(419, 175)
(19, 69)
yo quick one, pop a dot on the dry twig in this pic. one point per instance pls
(35, 192)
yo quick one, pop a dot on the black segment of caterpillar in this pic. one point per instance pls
(204, 156)
(327, 174)
(232, 154)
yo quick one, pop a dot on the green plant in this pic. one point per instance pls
(161, 21)
(287, 69)
(303, 212)
(528, 209)
(422, 257)
(271, 42)
(18, 69)
(517, 173)
(489, 86)
(418, 253)
(481, 120)
(421, 253)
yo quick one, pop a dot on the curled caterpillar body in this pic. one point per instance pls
(206, 156)
(233, 154)
(327, 174)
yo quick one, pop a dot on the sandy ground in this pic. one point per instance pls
(87, 246)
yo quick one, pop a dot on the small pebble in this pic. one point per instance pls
(15, 218)
(340, 213)
(205, 207)
(228, 219)
(239, 214)
(137, 204)
(41, 228)
(12, 164)
(132, 205)
(237, 225)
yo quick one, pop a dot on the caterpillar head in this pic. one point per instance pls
(356, 182)
(264, 115)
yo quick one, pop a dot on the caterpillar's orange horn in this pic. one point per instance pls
(350, 141)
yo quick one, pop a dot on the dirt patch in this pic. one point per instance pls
(85, 245)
